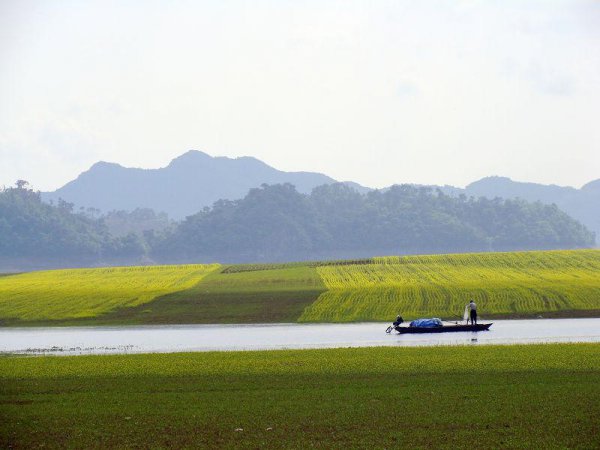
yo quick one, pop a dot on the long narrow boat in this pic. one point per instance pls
(443, 329)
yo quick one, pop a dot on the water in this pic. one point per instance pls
(180, 338)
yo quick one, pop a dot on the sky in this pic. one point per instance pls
(377, 92)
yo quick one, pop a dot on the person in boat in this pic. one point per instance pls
(398, 321)
(472, 312)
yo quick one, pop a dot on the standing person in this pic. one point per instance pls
(472, 312)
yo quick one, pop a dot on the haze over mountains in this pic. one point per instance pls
(242, 210)
(276, 223)
(188, 184)
(196, 180)
(582, 204)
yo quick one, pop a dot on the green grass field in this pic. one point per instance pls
(519, 284)
(279, 294)
(536, 396)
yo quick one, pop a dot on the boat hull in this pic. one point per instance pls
(444, 329)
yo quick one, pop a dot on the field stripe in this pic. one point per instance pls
(440, 285)
(81, 293)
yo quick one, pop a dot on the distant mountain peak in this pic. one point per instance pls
(492, 180)
(248, 159)
(592, 186)
(102, 165)
(190, 157)
(190, 182)
(496, 181)
(496, 177)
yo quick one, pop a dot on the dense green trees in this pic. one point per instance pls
(37, 234)
(138, 221)
(276, 223)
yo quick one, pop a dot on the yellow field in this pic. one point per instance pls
(441, 285)
(508, 284)
(78, 293)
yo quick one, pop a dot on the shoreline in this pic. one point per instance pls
(98, 322)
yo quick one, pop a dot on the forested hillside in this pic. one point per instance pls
(34, 234)
(581, 204)
(276, 223)
(195, 180)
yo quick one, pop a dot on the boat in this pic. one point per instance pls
(443, 329)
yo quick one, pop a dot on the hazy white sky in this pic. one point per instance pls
(377, 92)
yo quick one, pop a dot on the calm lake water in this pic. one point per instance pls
(181, 338)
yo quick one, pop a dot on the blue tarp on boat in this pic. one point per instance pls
(427, 323)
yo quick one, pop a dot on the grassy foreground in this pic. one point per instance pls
(536, 396)
(517, 284)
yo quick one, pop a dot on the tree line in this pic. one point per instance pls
(34, 234)
(276, 223)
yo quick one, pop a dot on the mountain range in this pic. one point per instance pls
(196, 180)
(188, 184)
